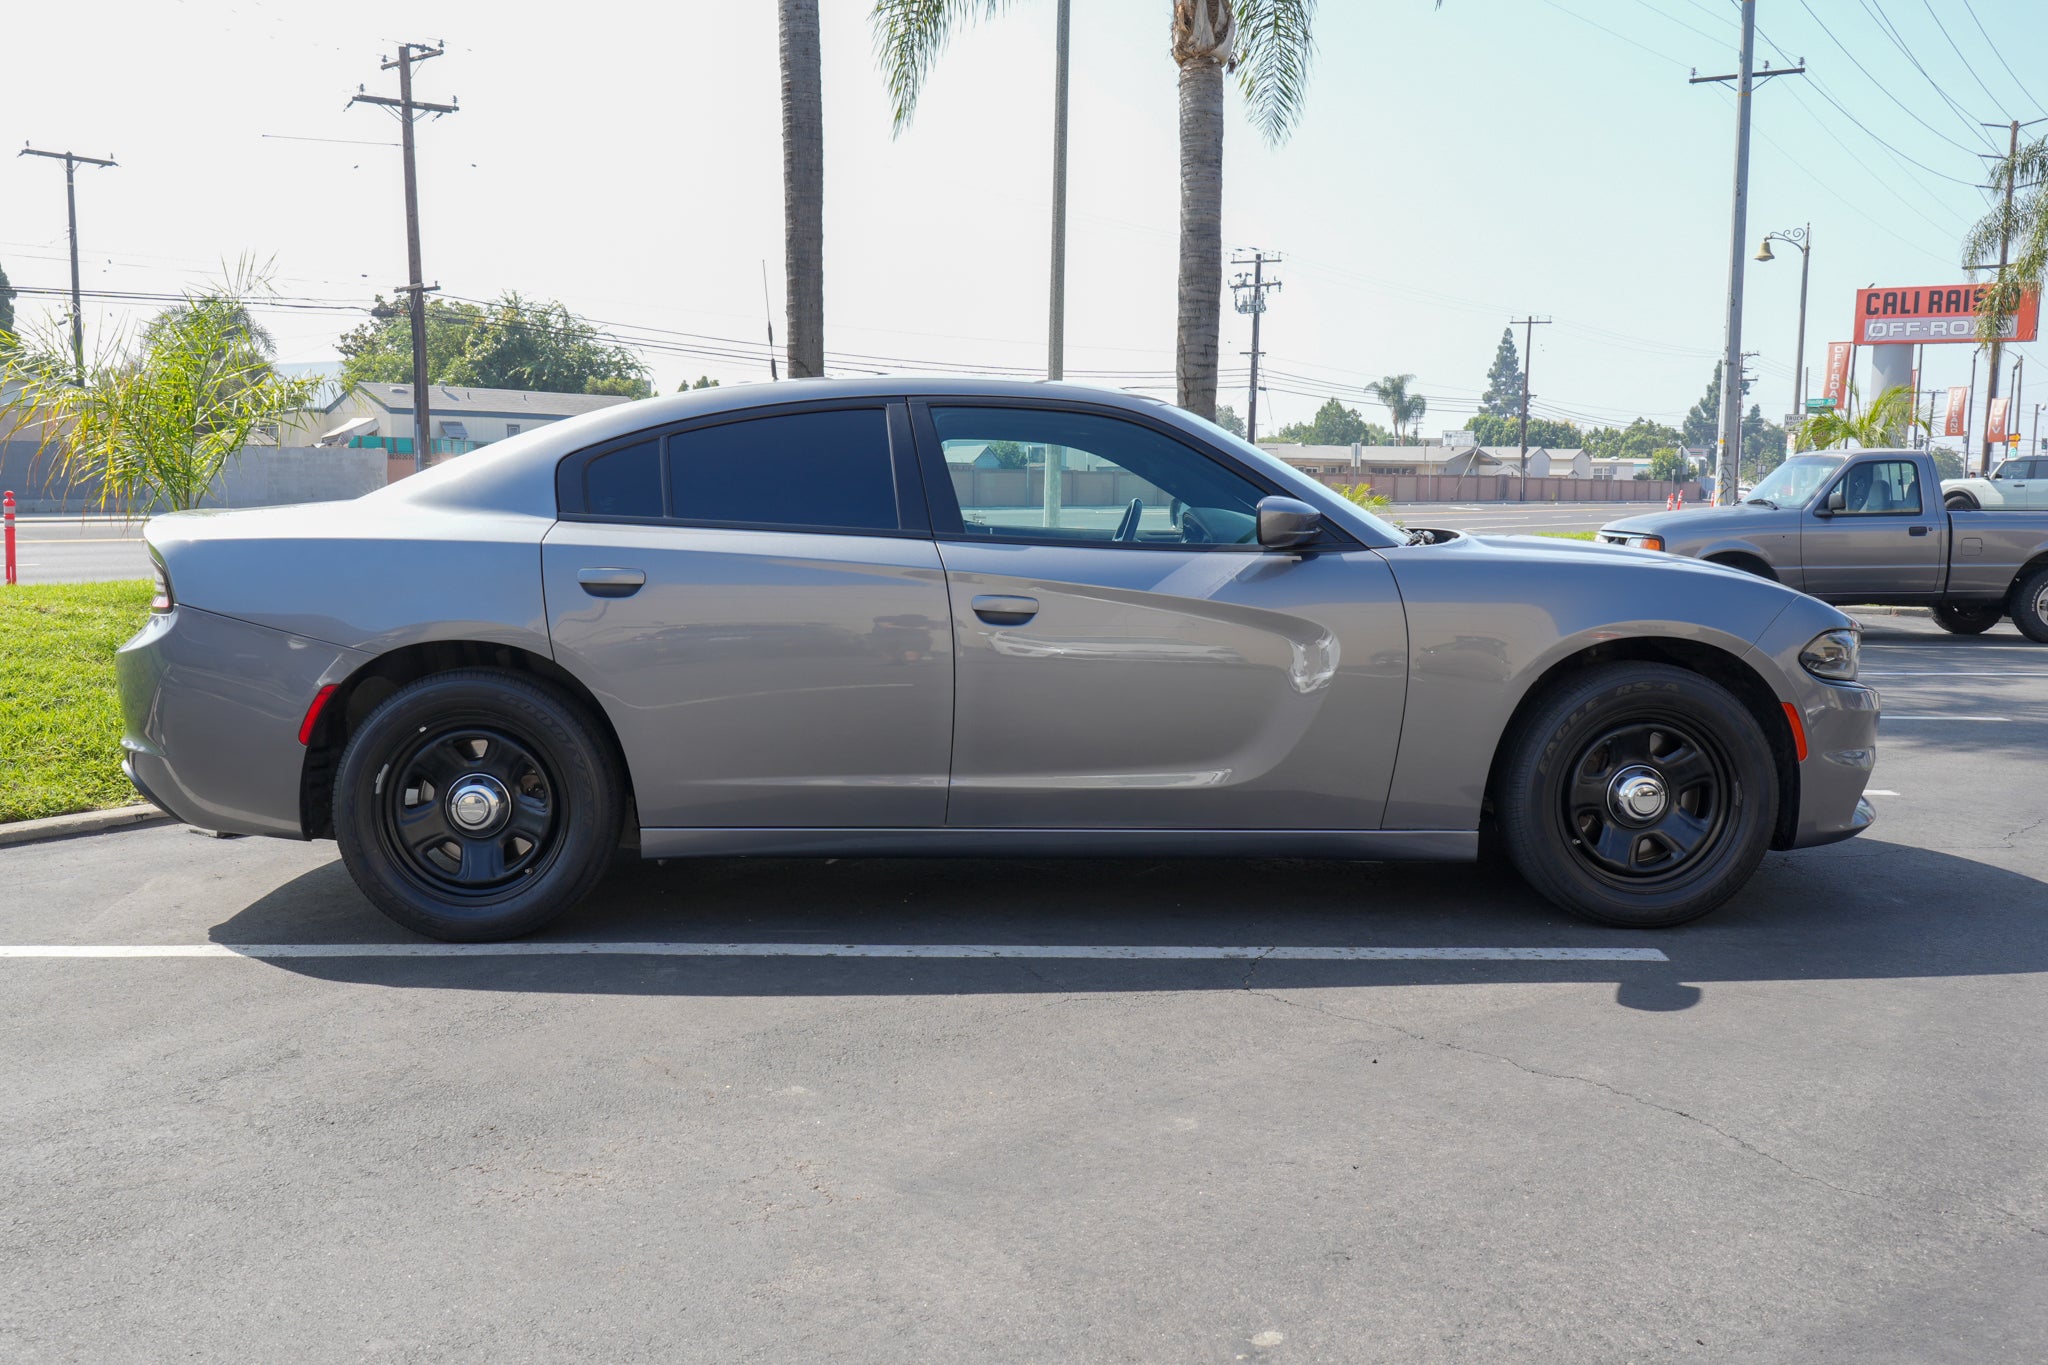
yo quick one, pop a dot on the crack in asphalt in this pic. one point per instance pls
(1991, 1212)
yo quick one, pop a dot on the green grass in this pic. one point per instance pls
(60, 723)
(1567, 535)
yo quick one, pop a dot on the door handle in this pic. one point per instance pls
(611, 582)
(1000, 610)
(1916, 530)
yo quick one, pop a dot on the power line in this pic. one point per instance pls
(1967, 64)
(1996, 52)
(1875, 9)
(72, 161)
(1907, 109)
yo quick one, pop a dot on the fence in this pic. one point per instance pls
(1507, 488)
(261, 476)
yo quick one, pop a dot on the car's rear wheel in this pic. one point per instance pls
(1961, 502)
(1959, 618)
(2029, 606)
(476, 805)
(1637, 794)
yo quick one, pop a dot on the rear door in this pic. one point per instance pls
(756, 601)
(1884, 542)
(1128, 656)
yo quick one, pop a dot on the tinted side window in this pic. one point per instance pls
(1881, 486)
(624, 483)
(827, 470)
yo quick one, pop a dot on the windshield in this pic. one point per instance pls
(1796, 480)
(1266, 459)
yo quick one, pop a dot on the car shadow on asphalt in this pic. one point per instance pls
(1863, 910)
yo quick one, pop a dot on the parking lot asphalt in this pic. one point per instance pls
(1816, 1130)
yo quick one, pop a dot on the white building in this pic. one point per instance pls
(462, 419)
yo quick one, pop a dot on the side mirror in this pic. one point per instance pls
(1837, 500)
(1285, 523)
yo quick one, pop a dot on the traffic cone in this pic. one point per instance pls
(1680, 495)
(1671, 502)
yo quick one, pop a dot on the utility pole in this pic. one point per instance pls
(1528, 326)
(1056, 320)
(409, 110)
(1727, 465)
(768, 308)
(2019, 373)
(1249, 292)
(72, 161)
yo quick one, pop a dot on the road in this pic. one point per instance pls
(1812, 1128)
(80, 550)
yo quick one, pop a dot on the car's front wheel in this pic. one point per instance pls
(476, 805)
(1958, 618)
(1637, 794)
(1961, 502)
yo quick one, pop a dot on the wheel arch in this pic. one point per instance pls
(357, 695)
(1710, 662)
(1748, 561)
(2026, 571)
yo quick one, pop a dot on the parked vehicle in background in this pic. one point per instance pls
(1863, 527)
(965, 617)
(2015, 483)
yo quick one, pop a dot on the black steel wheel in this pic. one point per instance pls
(476, 805)
(1960, 501)
(1959, 618)
(1637, 794)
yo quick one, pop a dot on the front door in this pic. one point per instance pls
(1129, 657)
(1883, 542)
(759, 610)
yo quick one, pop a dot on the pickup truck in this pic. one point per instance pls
(1869, 527)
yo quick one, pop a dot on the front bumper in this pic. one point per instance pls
(1841, 750)
(211, 708)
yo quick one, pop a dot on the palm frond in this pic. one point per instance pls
(909, 37)
(1275, 46)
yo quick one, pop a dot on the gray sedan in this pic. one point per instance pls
(965, 617)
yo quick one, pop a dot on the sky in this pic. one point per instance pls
(1454, 167)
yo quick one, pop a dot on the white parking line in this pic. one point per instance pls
(1977, 718)
(1940, 673)
(1879, 791)
(1142, 953)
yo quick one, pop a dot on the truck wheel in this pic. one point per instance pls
(1961, 502)
(1639, 795)
(1960, 618)
(2029, 604)
(476, 805)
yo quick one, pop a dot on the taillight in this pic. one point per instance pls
(161, 600)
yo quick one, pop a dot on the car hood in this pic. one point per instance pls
(1694, 522)
(1548, 550)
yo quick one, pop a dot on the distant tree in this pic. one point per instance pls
(1227, 418)
(1492, 430)
(1639, 440)
(1504, 381)
(1405, 408)
(1007, 454)
(1335, 425)
(1703, 422)
(512, 343)
(1670, 466)
(6, 308)
(1763, 444)
(379, 351)
(620, 386)
(704, 381)
(1947, 463)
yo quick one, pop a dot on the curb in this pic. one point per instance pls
(85, 822)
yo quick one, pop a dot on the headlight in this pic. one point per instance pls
(1635, 542)
(1832, 655)
(161, 600)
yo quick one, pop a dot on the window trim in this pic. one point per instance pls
(912, 518)
(1842, 481)
(950, 527)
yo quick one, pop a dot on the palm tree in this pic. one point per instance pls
(1404, 408)
(2020, 232)
(1267, 44)
(803, 186)
(1881, 426)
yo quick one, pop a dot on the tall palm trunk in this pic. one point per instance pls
(803, 186)
(1201, 234)
(1203, 31)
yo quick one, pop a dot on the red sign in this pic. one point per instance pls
(1936, 312)
(1998, 407)
(1958, 411)
(1837, 386)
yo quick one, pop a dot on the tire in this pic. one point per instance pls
(522, 760)
(2029, 606)
(1961, 502)
(1967, 618)
(1558, 795)
(1748, 564)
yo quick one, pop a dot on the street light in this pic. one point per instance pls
(1801, 237)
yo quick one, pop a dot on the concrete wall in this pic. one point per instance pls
(261, 476)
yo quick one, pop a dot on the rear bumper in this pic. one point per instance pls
(211, 708)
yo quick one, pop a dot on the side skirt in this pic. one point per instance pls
(1396, 845)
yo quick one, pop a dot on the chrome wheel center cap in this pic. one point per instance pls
(1637, 796)
(477, 804)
